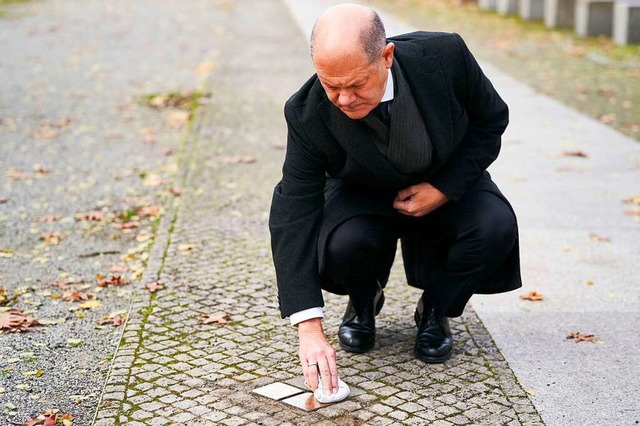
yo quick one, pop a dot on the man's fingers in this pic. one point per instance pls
(325, 375)
(405, 194)
(311, 375)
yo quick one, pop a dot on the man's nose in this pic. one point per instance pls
(346, 98)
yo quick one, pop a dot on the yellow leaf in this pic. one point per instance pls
(91, 304)
(36, 373)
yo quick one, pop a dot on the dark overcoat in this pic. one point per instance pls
(333, 169)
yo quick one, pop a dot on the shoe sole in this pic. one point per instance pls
(432, 360)
(355, 349)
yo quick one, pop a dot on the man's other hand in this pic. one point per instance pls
(419, 200)
(317, 355)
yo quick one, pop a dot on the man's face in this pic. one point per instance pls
(355, 85)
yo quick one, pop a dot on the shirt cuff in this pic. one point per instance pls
(306, 314)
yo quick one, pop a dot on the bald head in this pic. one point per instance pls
(348, 30)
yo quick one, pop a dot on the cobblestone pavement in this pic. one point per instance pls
(212, 255)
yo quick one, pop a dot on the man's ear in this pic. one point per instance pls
(387, 54)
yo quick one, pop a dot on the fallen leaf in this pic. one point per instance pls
(582, 337)
(149, 211)
(52, 238)
(152, 180)
(214, 319)
(177, 119)
(575, 154)
(46, 132)
(36, 373)
(633, 200)
(41, 170)
(91, 304)
(75, 343)
(49, 219)
(18, 175)
(222, 159)
(186, 247)
(532, 295)
(78, 296)
(127, 225)
(120, 267)
(94, 216)
(6, 253)
(17, 321)
(599, 238)
(115, 321)
(154, 286)
(607, 118)
(114, 281)
(3, 200)
(205, 67)
(177, 191)
(590, 282)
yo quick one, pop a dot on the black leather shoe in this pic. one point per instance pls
(434, 342)
(357, 333)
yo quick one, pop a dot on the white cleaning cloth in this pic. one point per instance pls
(328, 398)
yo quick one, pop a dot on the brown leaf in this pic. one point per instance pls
(94, 216)
(532, 295)
(214, 319)
(599, 238)
(178, 119)
(127, 225)
(575, 154)
(16, 320)
(53, 238)
(46, 132)
(223, 159)
(78, 296)
(3, 200)
(205, 67)
(49, 219)
(152, 180)
(120, 267)
(607, 118)
(114, 280)
(633, 200)
(149, 211)
(41, 170)
(176, 191)
(154, 286)
(115, 321)
(18, 175)
(582, 337)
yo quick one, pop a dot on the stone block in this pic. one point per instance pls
(531, 9)
(626, 22)
(507, 7)
(594, 17)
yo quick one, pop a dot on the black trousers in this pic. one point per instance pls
(468, 239)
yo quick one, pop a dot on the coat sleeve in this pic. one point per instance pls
(295, 219)
(488, 117)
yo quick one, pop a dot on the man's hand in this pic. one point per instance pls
(419, 200)
(317, 355)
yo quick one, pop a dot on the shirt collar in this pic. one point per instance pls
(388, 93)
